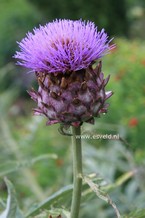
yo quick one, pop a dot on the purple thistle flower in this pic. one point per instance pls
(62, 53)
(63, 45)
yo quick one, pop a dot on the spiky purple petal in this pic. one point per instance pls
(62, 45)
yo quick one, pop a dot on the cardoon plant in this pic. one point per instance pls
(65, 57)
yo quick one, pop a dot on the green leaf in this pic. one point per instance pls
(101, 194)
(139, 213)
(12, 210)
(62, 197)
(55, 213)
(59, 196)
(2, 204)
(59, 211)
(12, 166)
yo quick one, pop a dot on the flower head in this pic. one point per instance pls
(62, 53)
(63, 45)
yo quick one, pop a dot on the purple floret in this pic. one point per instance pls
(63, 45)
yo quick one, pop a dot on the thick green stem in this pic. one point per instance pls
(77, 171)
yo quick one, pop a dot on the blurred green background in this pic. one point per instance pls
(28, 148)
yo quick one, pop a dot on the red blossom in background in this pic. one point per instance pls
(143, 62)
(133, 122)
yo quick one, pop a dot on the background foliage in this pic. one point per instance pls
(36, 158)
